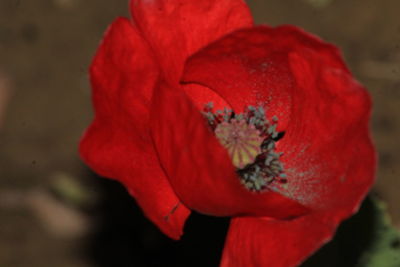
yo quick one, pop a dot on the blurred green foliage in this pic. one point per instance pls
(384, 251)
(366, 240)
(319, 3)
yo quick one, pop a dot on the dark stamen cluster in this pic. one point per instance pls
(267, 166)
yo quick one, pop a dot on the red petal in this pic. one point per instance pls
(199, 168)
(117, 144)
(329, 156)
(176, 29)
(201, 95)
(260, 242)
(250, 67)
(304, 82)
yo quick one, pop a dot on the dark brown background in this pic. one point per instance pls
(45, 49)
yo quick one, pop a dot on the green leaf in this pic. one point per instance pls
(385, 248)
(365, 240)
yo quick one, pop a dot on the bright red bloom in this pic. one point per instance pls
(152, 76)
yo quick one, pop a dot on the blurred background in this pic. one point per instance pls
(55, 212)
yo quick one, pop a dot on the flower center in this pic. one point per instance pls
(243, 141)
(250, 140)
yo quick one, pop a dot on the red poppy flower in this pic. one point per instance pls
(288, 159)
